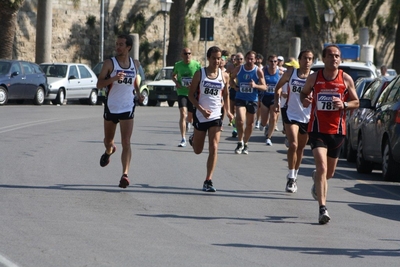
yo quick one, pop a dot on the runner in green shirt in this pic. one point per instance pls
(182, 77)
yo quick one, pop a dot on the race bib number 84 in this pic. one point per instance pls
(325, 103)
(246, 88)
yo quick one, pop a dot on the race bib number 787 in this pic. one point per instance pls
(325, 103)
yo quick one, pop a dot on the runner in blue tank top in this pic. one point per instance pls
(249, 79)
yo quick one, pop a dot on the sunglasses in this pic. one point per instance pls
(273, 61)
(188, 53)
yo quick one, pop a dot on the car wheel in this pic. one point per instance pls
(363, 166)
(145, 96)
(3, 95)
(351, 154)
(152, 103)
(39, 96)
(390, 169)
(60, 97)
(171, 103)
(92, 98)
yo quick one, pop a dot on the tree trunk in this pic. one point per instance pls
(396, 54)
(44, 31)
(261, 30)
(8, 24)
(177, 31)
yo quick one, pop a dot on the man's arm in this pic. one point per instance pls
(193, 88)
(232, 77)
(305, 94)
(103, 79)
(175, 78)
(261, 81)
(352, 101)
(225, 95)
(278, 88)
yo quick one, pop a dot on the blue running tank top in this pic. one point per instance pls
(244, 77)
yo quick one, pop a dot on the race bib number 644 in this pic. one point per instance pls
(325, 103)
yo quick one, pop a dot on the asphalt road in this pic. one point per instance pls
(58, 207)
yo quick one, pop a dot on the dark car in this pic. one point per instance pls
(379, 137)
(143, 87)
(22, 80)
(357, 116)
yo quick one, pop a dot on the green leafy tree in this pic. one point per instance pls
(8, 22)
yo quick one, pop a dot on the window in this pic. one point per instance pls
(73, 71)
(392, 89)
(27, 68)
(16, 67)
(84, 72)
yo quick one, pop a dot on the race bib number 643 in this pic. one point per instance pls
(325, 103)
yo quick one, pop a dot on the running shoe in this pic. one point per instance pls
(313, 192)
(230, 124)
(124, 182)
(276, 129)
(234, 133)
(239, 148)
(257, 125)
(191, 139)
(182, 143)
(188, 126)
(324, 217)
(245, 150)
(208, 186)
(291, 185)
(105, 158)
(268, 142)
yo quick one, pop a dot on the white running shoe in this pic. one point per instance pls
(257, 125)
(182, 143)
(324, 217)
(291, 185)
(188, 126)
(268, 142)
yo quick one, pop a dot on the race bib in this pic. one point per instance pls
(186, 81)
(246, 88)
(325, 103)
(271, 88)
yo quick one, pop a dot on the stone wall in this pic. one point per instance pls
(75, 39)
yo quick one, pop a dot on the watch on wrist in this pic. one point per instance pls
(346, 105)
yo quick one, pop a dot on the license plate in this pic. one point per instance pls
(162, 97)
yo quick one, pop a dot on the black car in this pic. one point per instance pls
(356, 117)
(22, 80)
(379, 137)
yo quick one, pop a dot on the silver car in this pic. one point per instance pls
(70, 81)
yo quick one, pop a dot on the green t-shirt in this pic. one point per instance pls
(185, 73)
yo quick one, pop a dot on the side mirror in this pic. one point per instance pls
(365, 103)
(15, 73)
(71, 77)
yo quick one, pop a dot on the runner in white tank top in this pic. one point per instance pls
(296, 116)
(211, 85)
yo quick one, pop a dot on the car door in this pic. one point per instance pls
(30, 85)
(17, 80)
(73, 82)
(87, 82)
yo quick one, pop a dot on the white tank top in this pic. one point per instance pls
(121, 96)
(210, 95)
(295, 110)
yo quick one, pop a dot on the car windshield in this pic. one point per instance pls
(353, 72)
(57, 71)
(4, 67)
(164, 74)
(97, 68)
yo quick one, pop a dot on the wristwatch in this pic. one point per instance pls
(346, 105)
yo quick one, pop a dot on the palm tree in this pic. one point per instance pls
(8, 22)
(177, 31)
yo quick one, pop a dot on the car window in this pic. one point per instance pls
(4, 67)
(164, 74)
(84, 72)
(15, 67)
(36, 68)
(393, 93)
(73, 71)
(370, 91)
(391, 88)
(27, 68)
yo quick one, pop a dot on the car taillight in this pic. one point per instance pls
(398, 116)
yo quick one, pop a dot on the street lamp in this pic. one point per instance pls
(328, 15)
(165, 7)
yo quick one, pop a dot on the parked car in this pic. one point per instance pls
(356, 117)
(144, 91)
(70, 81)
(379, 138)
(354, 69)
(362, 83)
(22, 80)
(392, 72)
(163, 88)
